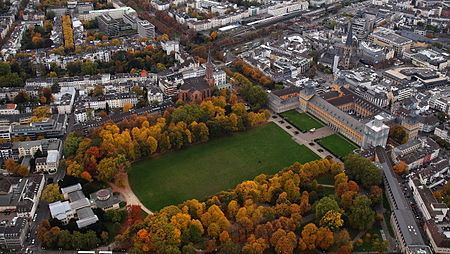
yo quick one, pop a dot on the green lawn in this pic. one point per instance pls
(325, 179)
(302, 121)
(220, 164)
(337, 145)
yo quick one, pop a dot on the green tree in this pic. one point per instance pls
(89, 68)
(324, 205)
(195, 231)
(362, 170)
(5, 69)
(361, 216)
(398, 133)
(230, 248)
(65, 240)
(379, 245)
(50, 15)
(254, 95)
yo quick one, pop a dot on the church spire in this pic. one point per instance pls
(209, 56)
(209, 67)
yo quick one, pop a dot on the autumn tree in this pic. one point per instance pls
(332, 220)
(22, 97)
(15, 168)
(214, 220)
(308, 241)
(401, 168)
(127, 107)
(51, 193)
(40, 113)
(342, 238)
(325, 238)
(255, 245)
(98, 90)
(344, 250)
(213, 35)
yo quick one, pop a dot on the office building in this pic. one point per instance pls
(108, 25)
(145, 29)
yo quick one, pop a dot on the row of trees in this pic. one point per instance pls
(239, 40)
(265, 213)
(149, 59)
(69, 43)
(253, 73)
(107, 153)
(54, 237)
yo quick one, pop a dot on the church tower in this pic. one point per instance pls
(347, 52)
(209, 72)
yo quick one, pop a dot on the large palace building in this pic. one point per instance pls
(342, 110)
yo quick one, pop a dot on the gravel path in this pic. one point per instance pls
(129, 196)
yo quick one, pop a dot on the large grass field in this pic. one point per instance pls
(220, 164)
(302, 121)
(337, 145)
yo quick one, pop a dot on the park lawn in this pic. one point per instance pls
(302, 121)
(327, 179)
(337, 145)
(217, 165)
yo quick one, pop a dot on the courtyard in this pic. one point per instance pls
(302, 121)
(337, 145)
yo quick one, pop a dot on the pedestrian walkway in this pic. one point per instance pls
(129, 196)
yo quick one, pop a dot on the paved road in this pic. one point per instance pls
(42, 213)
